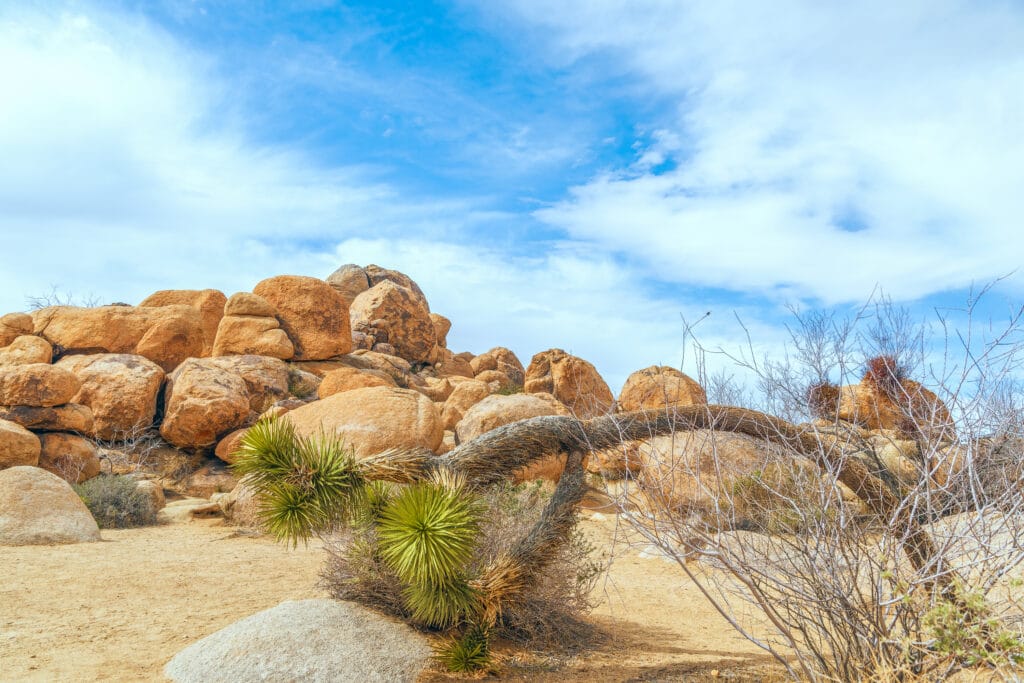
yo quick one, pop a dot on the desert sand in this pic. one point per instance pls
(119, 609)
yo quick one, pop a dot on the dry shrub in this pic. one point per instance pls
(116, 502)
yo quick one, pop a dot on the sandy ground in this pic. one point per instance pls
(118, 610)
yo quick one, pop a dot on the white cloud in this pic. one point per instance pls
(818, 149)
(126, 168)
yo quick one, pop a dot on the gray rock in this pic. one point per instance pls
(305, 640)
(39, 508)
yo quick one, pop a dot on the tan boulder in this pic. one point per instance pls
(38, 384)
(154, 492)
(347, 379)
(202, 402)
(266, 379)
(442, 326)
(249, 304)
(25, 350)
(447, 364)
(910, 408)
(349, 281)
(229, 445)
(497, 410)
(213, 477)
(39, 508)
(14, 325)
(503, 360)
(659, 387)
(498, 382)
(18, 446)
(376, 275)
(392, 314)
(238, 334)
(69, 456)
(398, 368)
(70, 417)
(571, 380)
(120, 390)
(464, 396)
(314, 316)
(166, 335)
(373, 419)
(209, 302)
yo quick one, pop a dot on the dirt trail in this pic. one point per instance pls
(119, 609)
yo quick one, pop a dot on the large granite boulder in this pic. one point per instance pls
(70, 456)
(202, 402)
(394, 315)
(166, 335)
(209, 303)
(502, 360)
(14, 325)
(120, 389)
(660, 387)
(40, 508)
(347, 379)
(38, 384)
(314, 316)
(250, 326)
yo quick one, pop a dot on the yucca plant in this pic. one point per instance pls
(427, 533)
(306, 485)
(467, 652)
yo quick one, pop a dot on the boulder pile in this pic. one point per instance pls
(359, 354)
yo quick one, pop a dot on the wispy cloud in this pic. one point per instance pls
(807, 149)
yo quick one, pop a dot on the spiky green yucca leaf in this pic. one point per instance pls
(428, 530)
(470, 652)
(441, 604)
(305, 484)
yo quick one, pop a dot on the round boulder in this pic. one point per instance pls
(503, 360)
(318, 641)
(347, 379)
(394, 313)
(660, 387)
(26, 349)
(573, 381)
(373, 419)
(40, 508)
(203, 401)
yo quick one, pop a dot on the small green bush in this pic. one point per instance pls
(116, 502)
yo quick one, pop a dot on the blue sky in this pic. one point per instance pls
(581, 174)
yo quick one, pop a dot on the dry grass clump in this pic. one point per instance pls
(116, 502)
